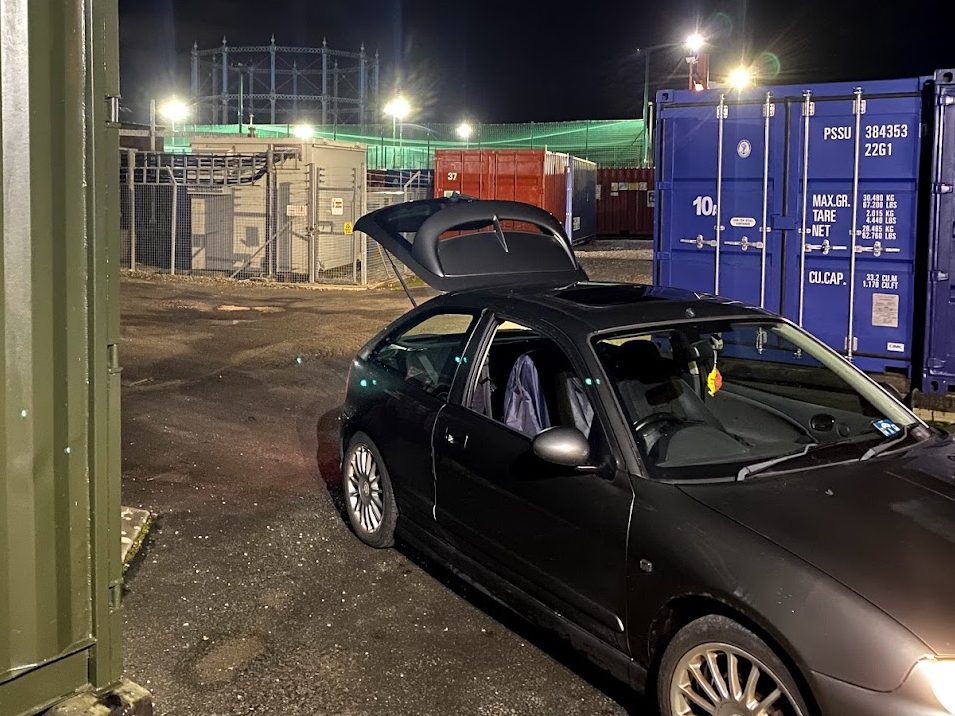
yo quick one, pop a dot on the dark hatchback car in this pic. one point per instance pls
(704, 499)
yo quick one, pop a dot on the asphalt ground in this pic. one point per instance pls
(251, 594)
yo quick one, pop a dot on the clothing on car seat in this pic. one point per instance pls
(525, 409)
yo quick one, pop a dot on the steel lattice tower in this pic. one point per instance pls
(284, 84)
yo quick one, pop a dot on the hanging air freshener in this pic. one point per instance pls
(714, 381)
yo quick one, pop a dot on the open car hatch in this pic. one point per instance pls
(459, 243)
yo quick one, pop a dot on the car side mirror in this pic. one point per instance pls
(562, 446)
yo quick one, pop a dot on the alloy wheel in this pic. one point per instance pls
(722, 680)
(365, 495)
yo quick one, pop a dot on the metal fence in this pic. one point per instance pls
(252, 217)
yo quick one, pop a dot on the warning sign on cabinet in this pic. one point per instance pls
(338, 206)
(885, 310)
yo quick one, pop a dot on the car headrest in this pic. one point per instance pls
(641, 359)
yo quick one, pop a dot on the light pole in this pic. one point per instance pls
(398, 109)
(239, 66)
(694, 43)
(646, 52)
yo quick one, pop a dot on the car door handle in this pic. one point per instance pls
(457, 440)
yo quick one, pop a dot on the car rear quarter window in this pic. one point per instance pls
(428, 352)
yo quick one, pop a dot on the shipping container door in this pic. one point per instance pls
(939, 364)
(584, 199)
(851, 282)
(720, 193)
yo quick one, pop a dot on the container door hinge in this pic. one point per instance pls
(935, 363)
(722, 111)
(112, 359)
(115, 595)
(942, 188)
(811, 109)
(771, 108)
(945, 100)
(939, 275)
(855, 343)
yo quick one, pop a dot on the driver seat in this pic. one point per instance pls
(651, 383)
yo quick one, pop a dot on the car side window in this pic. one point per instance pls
(527, 382)
(428, 352)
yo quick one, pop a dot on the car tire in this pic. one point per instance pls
(369, 497)
(724, 643)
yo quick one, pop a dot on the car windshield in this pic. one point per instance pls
(728, 399)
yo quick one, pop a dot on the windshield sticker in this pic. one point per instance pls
(886, 427)
(714, 381)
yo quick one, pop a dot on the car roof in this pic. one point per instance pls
(593, 307)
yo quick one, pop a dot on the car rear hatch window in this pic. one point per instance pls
(458, 243)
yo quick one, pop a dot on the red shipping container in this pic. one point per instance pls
(532, 176)
(624, 202)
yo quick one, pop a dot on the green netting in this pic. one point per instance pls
(609, 143)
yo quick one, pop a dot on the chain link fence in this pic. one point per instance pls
(253, 218)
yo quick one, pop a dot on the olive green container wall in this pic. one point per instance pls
(60, 570)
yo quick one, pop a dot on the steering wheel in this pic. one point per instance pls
(646, 427)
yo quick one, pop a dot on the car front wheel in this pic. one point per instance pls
(369, 498)
(716, 666)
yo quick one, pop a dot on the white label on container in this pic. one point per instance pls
(651, 199)
(296, 210)
(744, 148)
(576, 223)
(895, 347)
(598, 191)
(614, 186)
(885, 310)
(338, 206)
(744, 222)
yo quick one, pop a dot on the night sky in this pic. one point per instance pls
(496, 61)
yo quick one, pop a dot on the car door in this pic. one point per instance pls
(558, 533)
(410, 373)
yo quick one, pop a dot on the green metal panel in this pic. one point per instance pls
(59, 487)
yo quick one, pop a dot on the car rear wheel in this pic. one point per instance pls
(369, 498)
(717, 667)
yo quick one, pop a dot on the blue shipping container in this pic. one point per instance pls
(830, 204)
